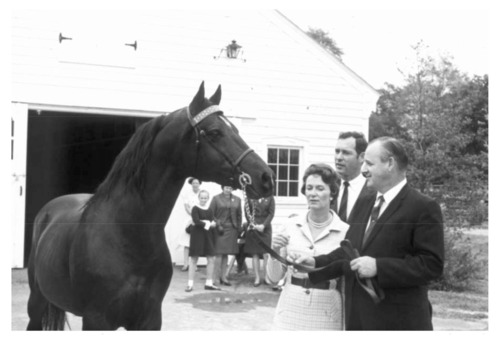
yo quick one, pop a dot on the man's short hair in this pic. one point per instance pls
(395, 149)
(360, 140)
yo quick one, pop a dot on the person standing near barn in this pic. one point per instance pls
(227, 211)
(264, 209)
(202, 242)
(348, 158)
(189, 199)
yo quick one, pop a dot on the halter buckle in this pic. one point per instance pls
(244, 179)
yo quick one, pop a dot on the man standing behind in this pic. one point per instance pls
(348, 158)
(400, 239)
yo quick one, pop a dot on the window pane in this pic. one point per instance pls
(293, 173)
(283, 173)
(293, 189)
(294, 157)
(272, 155)
(283, 156)
(273, 168)
(282, 189)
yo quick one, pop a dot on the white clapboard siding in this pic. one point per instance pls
(287, 92)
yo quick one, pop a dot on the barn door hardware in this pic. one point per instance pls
(134, 45)
(61, 38)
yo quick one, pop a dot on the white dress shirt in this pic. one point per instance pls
(388, 196)
(354, 189)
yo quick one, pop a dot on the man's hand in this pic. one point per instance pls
(302, 260)
(365, 266)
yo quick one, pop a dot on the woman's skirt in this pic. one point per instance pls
(227, 242)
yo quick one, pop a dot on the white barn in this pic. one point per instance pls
(82, 81)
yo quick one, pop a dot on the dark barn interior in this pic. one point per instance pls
(70, 153)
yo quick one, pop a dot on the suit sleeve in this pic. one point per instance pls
(338, 265)
(425, 262)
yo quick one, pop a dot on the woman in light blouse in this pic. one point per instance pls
(302, 305)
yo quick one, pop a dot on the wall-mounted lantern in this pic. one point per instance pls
(232, 51)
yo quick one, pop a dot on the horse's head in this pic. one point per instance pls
(220, 154)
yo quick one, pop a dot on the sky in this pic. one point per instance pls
(376, 43)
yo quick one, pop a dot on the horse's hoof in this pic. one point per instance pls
(188, 289)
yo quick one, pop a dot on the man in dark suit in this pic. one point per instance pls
(348, 158)
(400, 239)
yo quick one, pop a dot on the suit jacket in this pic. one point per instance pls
(365, 194)
(227, 212)
(407, 242)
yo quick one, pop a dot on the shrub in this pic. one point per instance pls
(462, 263)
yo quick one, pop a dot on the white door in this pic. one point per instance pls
(18, 151)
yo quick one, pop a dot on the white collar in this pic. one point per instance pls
(392, 193)
(204, 207)
(357, 181)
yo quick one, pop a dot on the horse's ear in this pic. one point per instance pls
(199, 97)
(217, 96)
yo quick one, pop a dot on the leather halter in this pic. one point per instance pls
(244, 178)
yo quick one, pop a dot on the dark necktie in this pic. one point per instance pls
(342, 212)
(374, 218)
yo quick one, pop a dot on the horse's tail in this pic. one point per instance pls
(53, 318)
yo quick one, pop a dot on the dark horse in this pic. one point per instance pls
(104, 256)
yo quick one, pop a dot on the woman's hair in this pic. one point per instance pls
(205, 191)
(328, 175)
(192, 179)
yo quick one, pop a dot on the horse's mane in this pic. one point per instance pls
(129, 165)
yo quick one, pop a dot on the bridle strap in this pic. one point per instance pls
(242, 156)
(194, 121)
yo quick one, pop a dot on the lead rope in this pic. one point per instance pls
(244, 180)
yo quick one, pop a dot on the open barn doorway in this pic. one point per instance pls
(70, 153)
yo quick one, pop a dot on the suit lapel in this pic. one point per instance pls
(365, 193)
(359, 216)
(392, 207)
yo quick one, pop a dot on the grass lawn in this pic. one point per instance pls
(472, 304)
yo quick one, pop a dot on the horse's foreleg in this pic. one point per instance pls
(96, 322)
(152, 321)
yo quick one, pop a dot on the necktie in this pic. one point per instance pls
(374, 218)
(342, 212)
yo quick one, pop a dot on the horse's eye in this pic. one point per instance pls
(214, 134)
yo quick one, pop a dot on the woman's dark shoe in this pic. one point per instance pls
(185, 268)
(257, 283)
(212, 287)
(223, 282)
(189, 288)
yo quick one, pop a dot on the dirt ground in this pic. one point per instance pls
(238, 307)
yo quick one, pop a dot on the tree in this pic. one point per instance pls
(325, 41)
(442, 117)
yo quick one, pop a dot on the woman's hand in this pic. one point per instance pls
(213, 224)
(307, 261)
(279, 240)
(260, 227)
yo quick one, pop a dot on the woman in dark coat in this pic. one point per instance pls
(227, 211)
(202, 240)
(264, 213)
